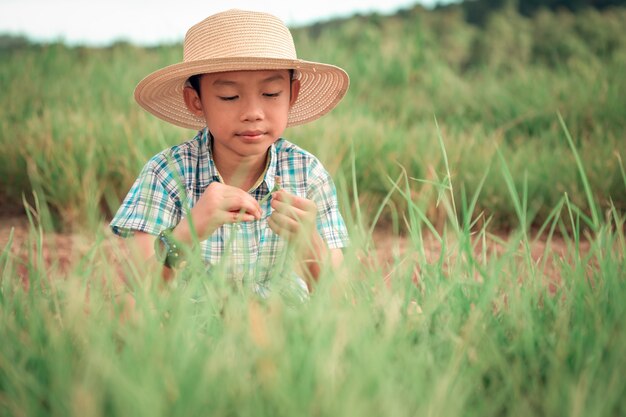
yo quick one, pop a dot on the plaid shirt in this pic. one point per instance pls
(173, 181)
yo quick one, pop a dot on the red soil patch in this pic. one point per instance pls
(62, 250)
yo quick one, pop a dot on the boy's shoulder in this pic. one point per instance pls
(194, 147)
(181, 153)
(286, 149)
(299, 162)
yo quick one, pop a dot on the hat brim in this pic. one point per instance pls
(322, 87)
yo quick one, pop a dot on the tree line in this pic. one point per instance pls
(478, 11)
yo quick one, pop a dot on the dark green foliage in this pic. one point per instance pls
(479, 11)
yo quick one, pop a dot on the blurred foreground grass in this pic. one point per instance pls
(470, 325)
(71, 133)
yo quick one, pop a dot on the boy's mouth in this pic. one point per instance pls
(251, 134)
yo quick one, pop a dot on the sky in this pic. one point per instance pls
(149, 22)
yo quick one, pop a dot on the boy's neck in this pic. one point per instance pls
(240, 172)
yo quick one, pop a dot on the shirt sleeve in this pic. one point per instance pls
(330, 223)
(153, 202)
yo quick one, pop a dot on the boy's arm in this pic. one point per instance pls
(143, 251)
(294, 219)
(218, 205)
(311, 262)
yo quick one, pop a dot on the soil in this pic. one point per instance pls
(63, 250)
(59, 249)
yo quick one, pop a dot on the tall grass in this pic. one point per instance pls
(470, 325)
(70, 131)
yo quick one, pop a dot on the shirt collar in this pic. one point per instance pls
(214, 175)
(272, 171)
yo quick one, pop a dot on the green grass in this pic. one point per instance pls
(451, 328)
(467, 332)
(71, 132)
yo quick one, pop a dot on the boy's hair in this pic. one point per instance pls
(194, 80)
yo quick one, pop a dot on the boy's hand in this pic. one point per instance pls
(218, 205)
(293, 217)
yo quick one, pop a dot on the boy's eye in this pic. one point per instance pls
(228, 98)
(271, 94)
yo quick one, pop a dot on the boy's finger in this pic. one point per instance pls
(234, 192)
(276, 228)
(237, 216)
(237, 203)
(284, 222)
(282, 195)
(287, 209)
(295, 212)
(294, 200)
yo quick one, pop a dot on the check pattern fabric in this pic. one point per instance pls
(173, 181)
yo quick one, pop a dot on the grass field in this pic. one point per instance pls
(71, 132)
(470, 145)
(469, 331)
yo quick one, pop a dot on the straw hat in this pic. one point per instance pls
(240, 40)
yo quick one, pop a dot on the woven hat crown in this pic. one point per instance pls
(238, 34)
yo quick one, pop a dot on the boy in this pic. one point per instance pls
(240, 84)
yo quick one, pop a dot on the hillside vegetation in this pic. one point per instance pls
(71, 133)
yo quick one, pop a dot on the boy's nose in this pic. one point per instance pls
(251, 111)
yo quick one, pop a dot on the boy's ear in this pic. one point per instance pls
(192, 101)
(295, 90)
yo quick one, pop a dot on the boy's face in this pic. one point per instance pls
(246, 111)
